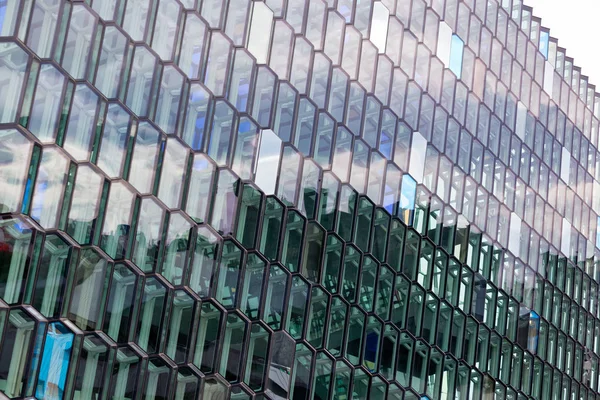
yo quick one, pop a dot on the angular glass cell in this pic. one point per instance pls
(52, 272)
(225, 202)
(165, 28)
(47, 104)
(49, 186)
(188, 384)
(43, 27)
(158, 378)
(204, 262)
(137, 14)
(201, 183)
(260, 32)
(92, 367)
(56, 358)
(309, 188)
(287, 187)
(249, 216)
(141, 79)
(15, 150)
(150, 321)
(125, 374)
(196, 117)
(105, 8)
(78, 42)
(79, 134)
(256, 363)
(240, 83)
(292, 241)
(207, 341)
(115, 139)
(254, 275)
(9, 14)
(183, 315)
(229, 275)
(15, 239)
(233, 345)
(236, 21)
(191, 56)
(217, 65)
(264, 96)
(13, 65)
(176, 247)
(123, 295)
(245, 148)
(281, 49)
(456, 55)
(271, 228)
(88, 293)
(149, 230)
(169, 98)
(267, 162)
(148, 143)
(275, 297)
(222, 130)
(174, 166)
(84, 209)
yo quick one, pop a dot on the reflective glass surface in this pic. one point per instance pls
(295, 199)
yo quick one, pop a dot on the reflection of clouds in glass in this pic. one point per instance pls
(86, 195)
(379, 26)
(50, 182)
(267, 164)
(120, 203)
(14, 157)
(260, 32)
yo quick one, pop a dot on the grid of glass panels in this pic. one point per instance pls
(303, 199)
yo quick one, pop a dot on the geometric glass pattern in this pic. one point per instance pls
(295, 199)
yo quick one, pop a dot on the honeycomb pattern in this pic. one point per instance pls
(295, 199)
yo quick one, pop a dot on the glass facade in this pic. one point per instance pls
(295, 199)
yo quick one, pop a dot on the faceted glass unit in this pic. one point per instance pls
(295, 199)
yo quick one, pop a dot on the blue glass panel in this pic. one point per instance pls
(456, 55)
(534, 332)
(55, 362)
(544, 41)
(407, 199)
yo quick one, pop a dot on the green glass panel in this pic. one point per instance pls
(254, 277)
(301, 375)
(336, 326)
(123, 296)
(332, 264)
(317, 316)
(322, 376)
(297, 307)
(343, 377)
(148, 235)
(115, 236)
(271, 228)
(233, 345)
(207, 339)
(204, 260)
(177, 246)
(313, 252)
(188, 384)
(229, 274)
(183, 314)
(151, 316)
(15, 240)
(248, 217)
(292, 241)
(89, 290)
(256, 366)
(350, 273)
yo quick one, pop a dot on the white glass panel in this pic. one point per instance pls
(267, 165)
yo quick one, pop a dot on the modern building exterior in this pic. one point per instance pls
(295, 199)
